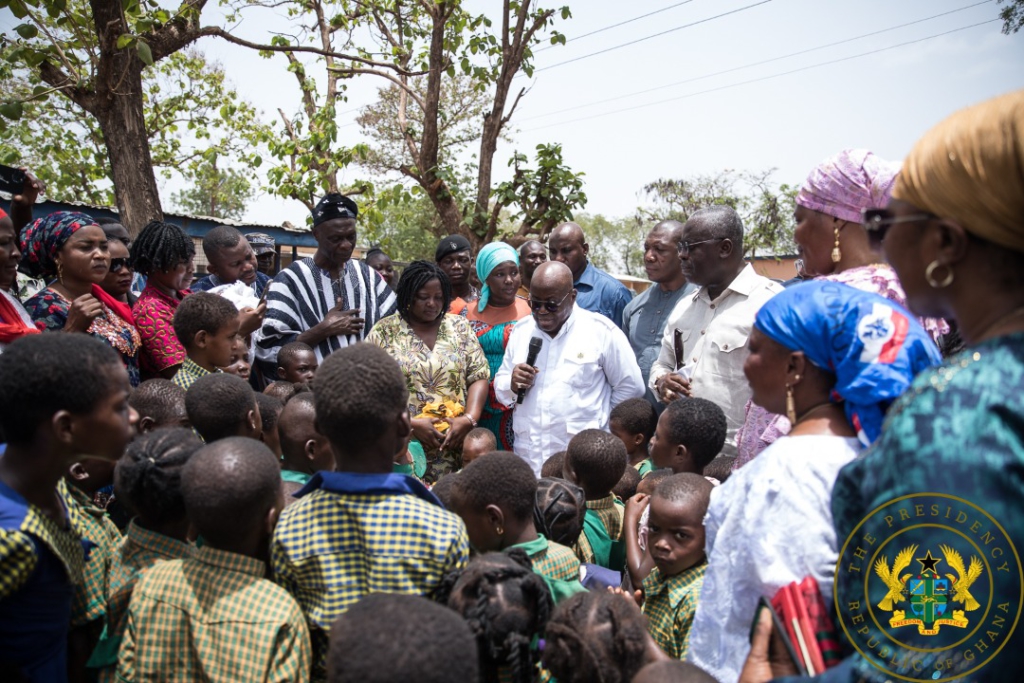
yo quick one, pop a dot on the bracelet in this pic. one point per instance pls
(471, 420)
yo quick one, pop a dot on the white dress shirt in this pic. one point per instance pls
(585, 370)
(714, 335)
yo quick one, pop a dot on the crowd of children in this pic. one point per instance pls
(216, 533)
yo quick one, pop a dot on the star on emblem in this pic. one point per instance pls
(928, 562)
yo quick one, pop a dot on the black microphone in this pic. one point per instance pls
(531, 358)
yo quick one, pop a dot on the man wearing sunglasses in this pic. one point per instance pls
(584, 367)
(705, 342)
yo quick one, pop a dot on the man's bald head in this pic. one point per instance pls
(568, 245)
(552, 275)
(228, 487)
(719, 222)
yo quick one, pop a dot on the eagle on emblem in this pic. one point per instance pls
(892, 579)
(962, 585)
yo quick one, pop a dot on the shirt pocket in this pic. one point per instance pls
(726, 352)
(581, 369)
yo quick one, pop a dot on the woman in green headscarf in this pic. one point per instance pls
(493, 316)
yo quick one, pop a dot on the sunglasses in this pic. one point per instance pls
(119, 264)
(684, 247)
(878, 221)
(551, 306)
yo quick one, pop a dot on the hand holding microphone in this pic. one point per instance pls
(523, 374)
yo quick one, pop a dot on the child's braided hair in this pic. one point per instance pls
(559, 509)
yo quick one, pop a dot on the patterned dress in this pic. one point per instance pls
(50, 308)
(492, 328)
(443, 373)
(154, 316)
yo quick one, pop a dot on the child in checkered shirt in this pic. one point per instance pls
(362, 529)
(213, 616)
(595, 461)
(495, 497)
(675, 540)
(61, 395)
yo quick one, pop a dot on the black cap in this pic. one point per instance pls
(450, 245)
(333, 206)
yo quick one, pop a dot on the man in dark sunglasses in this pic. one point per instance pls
(585, 366)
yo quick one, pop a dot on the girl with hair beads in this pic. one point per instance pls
(147, 480)
(507, 607)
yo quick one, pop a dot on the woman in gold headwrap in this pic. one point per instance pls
(954, 232)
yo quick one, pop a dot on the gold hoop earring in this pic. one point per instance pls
(60, 272)
(929, 275)
(836, 254)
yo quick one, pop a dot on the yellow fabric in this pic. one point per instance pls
(970, 169)
(439, 411)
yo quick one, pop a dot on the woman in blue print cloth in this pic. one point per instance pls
(954, 233)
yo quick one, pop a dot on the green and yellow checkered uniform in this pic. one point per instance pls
(611, 512)
(670, 605)
(92, 524)
(188, 373)
(331, 548)
(213, 618)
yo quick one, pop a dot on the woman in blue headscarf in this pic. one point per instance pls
(832, 358)
(492, 316)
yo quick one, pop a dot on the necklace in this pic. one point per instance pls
(811, 410)
(1015, 313)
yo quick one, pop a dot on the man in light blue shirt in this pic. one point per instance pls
(646, 316)
(596, 290)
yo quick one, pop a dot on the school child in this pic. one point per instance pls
(625, 488)
(270, 420)
(238, 362)
(222, 405)
(214, 616)
(159, 403)
(633, 421)
(676, 544)
(207, 326)
(296, 363)
(507, 606)
(478, 441)
(423, 642)
(495, 497)
(147, 481)
(304, 450)
(598, 636)
(61, 395)
(362, 529)
(595, 460)
(559, 509)
(689, 435)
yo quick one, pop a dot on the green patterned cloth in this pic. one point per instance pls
(92, 524)
(670, 604)
(557, 565)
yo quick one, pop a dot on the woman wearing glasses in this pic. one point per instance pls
(70, 247)
(118, 282)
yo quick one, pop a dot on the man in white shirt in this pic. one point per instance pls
(705, 342)
(584, 368)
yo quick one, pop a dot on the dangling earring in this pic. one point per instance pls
(500, 531)
(929, 275)
(60, 272)
(836, 254)
(791, 402)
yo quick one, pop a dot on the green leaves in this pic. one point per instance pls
(145, 54)
(26, 31)
(12, 110)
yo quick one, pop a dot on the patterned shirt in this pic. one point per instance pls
(188, 373)
(207, 283)
(50, 309)
(556, 564)
(92, 524)
(669, 604)
(215, 618)
(154, 316)
(140, 550)
(443, 373)
(611, 513)
(332, 548)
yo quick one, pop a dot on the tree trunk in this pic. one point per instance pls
(117, 105)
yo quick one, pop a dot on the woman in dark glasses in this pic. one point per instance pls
(118, 282)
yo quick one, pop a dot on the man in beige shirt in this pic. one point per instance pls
(705, 341)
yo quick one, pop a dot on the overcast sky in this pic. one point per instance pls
(754, 117)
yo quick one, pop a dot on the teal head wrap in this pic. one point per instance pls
(489, 258)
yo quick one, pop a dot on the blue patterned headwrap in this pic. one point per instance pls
(489, 258)
(872, 345)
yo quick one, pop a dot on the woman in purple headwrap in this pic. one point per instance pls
(70, 247)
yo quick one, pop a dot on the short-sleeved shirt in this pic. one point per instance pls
(154, 318)
(670, 604)
(599, 292)
(354, 534)
(140, 550)
(40, 561)
(610, 512)
(92, 524)
(556, 564)
(215, 618)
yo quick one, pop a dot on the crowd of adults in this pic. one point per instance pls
(892, 364)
